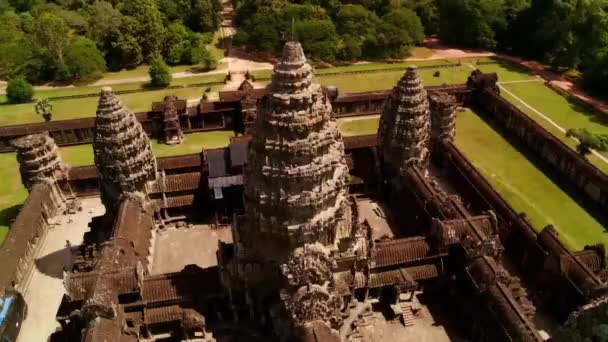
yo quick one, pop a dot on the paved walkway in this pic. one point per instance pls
(45, 290)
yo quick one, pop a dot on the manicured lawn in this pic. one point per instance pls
(506, 71)
(12, 193)
(194, 143)
(421, 52)
(525, 186)
(564, 113)
(140, 71)
(363, 126)
(383, 80)
(78, 108)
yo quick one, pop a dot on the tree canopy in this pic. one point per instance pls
(46, 40)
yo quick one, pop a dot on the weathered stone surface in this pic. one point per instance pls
(296, 177)
(171, 124)
(404, 131)
(38, 158)
(122, 151)
(443, 116)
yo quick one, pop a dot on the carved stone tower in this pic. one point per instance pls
(171, 124)
(404, 132)
(39, 159)
(123, 155)
(296, 196)
(443, 117)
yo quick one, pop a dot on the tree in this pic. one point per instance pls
(84, 60)
(19, 90)
(319, 38)
(176, 43)
(588, 140)
(15, 45)
(127, 52)
(358, 29)
(400, 30)
(143, 22)
(428, 13)
(203, 16)
(53, 34)
(103, 24)
(160, 75)
(204, 57)
(44, 108)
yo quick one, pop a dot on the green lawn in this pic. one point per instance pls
(193, 143)
(140, 71)
(564, 113)
(383, 80)
(358, 126)
(523, 185)
(86, 107)
(12, 193)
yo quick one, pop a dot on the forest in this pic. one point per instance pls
(77, 40)
(73, 40)
(564, 34)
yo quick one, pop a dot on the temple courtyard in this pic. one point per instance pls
(45, 289)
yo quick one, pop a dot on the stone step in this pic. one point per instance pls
(407, 315)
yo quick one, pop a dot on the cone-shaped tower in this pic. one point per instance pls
(39, 159)
(123, 155)
(404, 132)
(297, 209)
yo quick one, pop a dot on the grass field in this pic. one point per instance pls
(358, 126)
(12, 193)
(564, 113)
(79, 108)
(524, 185)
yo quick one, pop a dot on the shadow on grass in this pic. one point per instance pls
(550, 171)
(8, 215)
(592, 114)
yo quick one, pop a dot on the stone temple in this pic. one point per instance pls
(293, 232)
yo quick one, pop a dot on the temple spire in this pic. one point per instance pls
(122, 151)
(404, 132)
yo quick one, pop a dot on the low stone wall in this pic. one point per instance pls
(26, 236)
(571, 166)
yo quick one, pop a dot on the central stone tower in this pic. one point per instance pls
(296, 177)
(297, 207)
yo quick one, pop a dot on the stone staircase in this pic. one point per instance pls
(407, 315)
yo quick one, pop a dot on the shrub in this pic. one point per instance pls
(19, 90)
(83, 60)
(160, 75)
